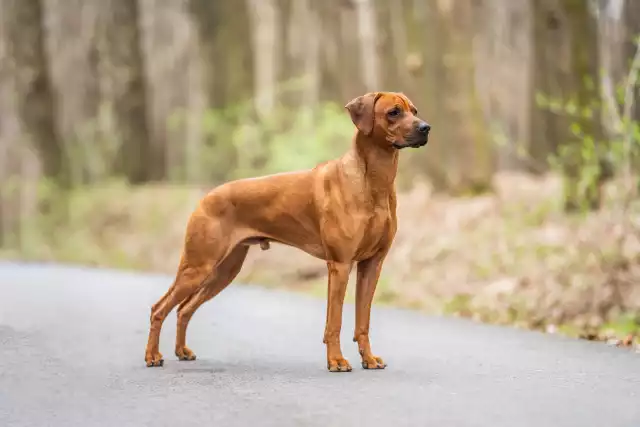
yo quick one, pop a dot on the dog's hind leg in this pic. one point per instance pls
(222, 276)
(205, 247)
(188, 280)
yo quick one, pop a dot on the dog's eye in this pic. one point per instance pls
(394, 113)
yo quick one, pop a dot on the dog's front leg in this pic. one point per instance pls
(367, 279)
(338, 278)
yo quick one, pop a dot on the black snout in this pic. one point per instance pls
(424, 128)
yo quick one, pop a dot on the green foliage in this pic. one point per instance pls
(625, 324)
(459, 304)
(238, 144)
(585, 158)
(312, 137)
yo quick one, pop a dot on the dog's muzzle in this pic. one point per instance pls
(418, 139)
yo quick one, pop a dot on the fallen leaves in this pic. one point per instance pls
(630, 341)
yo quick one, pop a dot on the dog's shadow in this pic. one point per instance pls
(261, 367)
(269, 370)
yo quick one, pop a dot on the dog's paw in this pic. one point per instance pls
(185, 353)
(339, 364)
(154, 360)
(373, 362)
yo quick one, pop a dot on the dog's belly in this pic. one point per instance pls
(354, 242)
(313, 249)
(291, 232)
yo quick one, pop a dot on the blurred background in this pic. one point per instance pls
(117, 115)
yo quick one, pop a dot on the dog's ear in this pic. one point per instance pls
(361, 110)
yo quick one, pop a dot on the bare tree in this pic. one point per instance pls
(123, 87)
(300, 60)
(71, 43)
(465, 154)
(631, 15)
(265, 19)
(566, 69)
(34, 97)
(225, 37)
(224, 33)
(368, 44)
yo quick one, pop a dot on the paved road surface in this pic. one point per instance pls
(72, 344)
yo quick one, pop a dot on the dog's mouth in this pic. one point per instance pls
(411, 143)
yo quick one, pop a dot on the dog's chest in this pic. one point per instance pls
(356, 226)
(373, 232)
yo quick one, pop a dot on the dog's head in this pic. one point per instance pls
(389, 117)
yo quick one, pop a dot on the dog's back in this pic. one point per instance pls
(278, 207)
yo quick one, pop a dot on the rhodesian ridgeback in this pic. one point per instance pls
(342, 211)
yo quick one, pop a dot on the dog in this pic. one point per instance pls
(342, 211)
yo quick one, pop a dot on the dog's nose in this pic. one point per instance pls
(424, 127)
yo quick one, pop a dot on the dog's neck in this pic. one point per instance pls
(375, 164)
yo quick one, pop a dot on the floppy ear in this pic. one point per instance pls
(361, 111)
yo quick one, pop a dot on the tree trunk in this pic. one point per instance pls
(368, 45)
(71, 43)
(459, 123)
(124, 89)
(265, 19)
(224, 38)
(300, 61)
(424, 51)
(585, 70)
(224, 33)
(547, 129)
(566, 61)
(23, 23)
(329, 13)
(631, 16)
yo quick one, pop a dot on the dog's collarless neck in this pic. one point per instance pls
(377, 164)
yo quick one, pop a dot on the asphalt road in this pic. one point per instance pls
(72, 347)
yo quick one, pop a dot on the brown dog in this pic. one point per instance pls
(342, 211)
